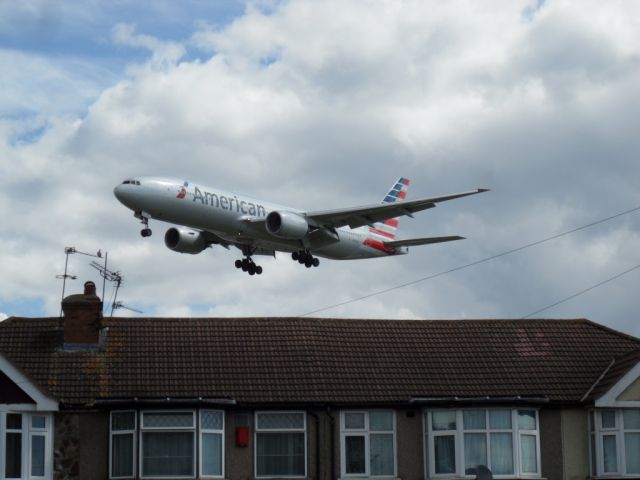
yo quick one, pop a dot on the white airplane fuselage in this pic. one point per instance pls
(236, 218)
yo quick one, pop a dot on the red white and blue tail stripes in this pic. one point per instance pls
(386, 230)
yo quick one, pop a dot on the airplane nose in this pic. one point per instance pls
(118, 192)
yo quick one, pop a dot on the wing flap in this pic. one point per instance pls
(413, 242)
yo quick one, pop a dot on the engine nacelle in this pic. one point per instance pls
(183, 240)
(287, 225)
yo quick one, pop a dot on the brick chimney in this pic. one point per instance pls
(82, 317)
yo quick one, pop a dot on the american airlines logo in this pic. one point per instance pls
(227, 203)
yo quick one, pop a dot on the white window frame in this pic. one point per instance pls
(201, 432)
(458, 434)
(192, 429)
(26, 435)
(258, 430)
(113, 433)
(597, 433)
(365, 432)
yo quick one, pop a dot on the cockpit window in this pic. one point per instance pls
(131, 182)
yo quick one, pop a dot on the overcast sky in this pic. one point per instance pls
(321, 105)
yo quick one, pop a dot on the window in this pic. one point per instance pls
(281, 444)
(615, 442)
(211, 443)
(503, 439)
(123, 431)
(167, 444)
(367, 443)
(25, 445)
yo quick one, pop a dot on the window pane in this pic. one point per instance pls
(14, 421)
(445, 453)
(122, 455)
(444, 420)
(38, 421)
(289, 420)
(211, 454)
(280, 454)
(631, 420)
(37, 456)
(381, 421)
(123, 421)
(501, 453)
(167, 454)
(354, 454)
(168, 420)
(610, 453)
(632, 451)
(354, 421)
(528, 452)
(13, 452)
(474, 419)
(608, 418)
(526, 419)
(211, 420)
(381, 453)
(500, 419)
(475, 450)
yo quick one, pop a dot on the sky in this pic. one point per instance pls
(322, 105)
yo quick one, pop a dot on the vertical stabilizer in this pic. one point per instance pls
(386, 230)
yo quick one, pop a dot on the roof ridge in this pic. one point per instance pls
(611, 330)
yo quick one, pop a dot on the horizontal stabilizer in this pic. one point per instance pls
(413, 242)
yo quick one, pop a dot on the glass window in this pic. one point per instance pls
(444, 420)
(368, 443)
(608, 419)
(281, 444)
(167, 444)
(211, 442)
(25, 446)
(123, 428)
(615, 442)
(501, 439)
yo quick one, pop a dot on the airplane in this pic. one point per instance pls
(209, 216)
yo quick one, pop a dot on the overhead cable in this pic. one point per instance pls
(467, 265)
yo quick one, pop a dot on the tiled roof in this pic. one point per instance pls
(613, 372)
(276, 360)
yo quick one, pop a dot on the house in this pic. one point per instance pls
(87, 397)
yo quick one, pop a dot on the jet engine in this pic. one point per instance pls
(287, 225)
(183, 240)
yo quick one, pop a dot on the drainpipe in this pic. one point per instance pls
(332, 434)
(317, 419)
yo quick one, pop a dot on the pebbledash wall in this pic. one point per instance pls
(85, 397)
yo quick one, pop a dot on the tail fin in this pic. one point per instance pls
(386, 230)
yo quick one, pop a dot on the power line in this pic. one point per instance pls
(467, 265)
(610, 279)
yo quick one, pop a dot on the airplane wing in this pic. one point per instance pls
(369, 214)
(413, 242)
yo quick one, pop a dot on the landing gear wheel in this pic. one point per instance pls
(259, 270)
(295, 255)
(145, 232)
(252, 269)
(238, 263)
(315, 262)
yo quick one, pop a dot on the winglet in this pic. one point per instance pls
(482, 190)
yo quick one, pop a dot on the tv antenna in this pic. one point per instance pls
(71, 250)
(115, 277)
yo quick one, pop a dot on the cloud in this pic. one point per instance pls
(3, 316)
(323, 105)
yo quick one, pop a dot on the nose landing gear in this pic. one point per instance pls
(247, 265)
(304, 257)
(146, 231)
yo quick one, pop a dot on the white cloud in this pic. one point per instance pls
(320, 105)
(3, 316)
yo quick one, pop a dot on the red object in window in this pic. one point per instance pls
(242, 436)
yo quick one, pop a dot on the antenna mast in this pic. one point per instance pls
(110, 276)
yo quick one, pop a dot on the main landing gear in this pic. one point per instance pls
(247, 265)
(304, 257)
